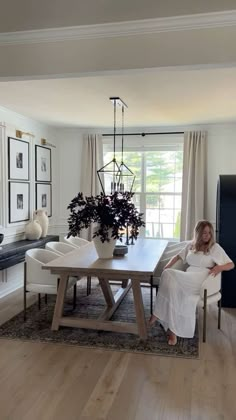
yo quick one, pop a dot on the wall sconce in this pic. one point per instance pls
(20, 133)
(45, 143)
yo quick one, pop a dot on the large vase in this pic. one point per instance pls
(105, 249)
(33, 230)
(42, 217)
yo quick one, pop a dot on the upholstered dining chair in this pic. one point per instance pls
(42, 281)
(77, 242)
(171, 250)
(210, 293)
(60, 248)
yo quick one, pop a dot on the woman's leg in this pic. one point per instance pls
(152, 320)
(172, 339)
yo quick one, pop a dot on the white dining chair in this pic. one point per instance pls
(60, 248)
(210, 292)
(42, 281)
(77, 242)
(171, 250)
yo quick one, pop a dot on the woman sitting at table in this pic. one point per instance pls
(178, 293)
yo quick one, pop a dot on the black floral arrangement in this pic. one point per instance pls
(114, 211)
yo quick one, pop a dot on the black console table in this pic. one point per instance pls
(14, 253)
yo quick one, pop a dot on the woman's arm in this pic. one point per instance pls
(219, 268)
(172, 261)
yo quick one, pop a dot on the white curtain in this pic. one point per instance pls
(194, 181)
(92, 160)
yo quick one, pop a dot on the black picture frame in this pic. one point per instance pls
(18, 159)
(43, 197)
(43, 164)
(19, 201)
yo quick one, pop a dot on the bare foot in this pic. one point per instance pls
(152, 320)
(172, 340)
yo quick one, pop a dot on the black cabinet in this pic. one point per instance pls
(14, 253)
(226, 233)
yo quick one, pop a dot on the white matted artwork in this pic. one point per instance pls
(19, 210)
(43, 196)
(18, 159)
(42, 164)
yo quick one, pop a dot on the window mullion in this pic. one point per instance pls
(143, 192)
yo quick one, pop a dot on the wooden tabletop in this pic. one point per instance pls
(141, 260)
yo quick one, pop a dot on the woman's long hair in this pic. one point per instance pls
(198, 244)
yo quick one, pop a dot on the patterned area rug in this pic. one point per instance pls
(37, 327)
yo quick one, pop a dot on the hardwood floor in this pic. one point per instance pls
(52, 381)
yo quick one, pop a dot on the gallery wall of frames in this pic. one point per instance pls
(26, 178)
(20, 178)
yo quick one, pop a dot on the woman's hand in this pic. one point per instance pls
(172, 261)
(215, 270)
(219, 268)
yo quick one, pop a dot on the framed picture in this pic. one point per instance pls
(43, 196)
(19, 202)
(18, 159)
(42, 164)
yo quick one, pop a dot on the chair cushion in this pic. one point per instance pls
(212, 284)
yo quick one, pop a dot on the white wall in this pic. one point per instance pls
(67, 158)
(9, 123)
(12, 278)
(221, 159)
(69, 142)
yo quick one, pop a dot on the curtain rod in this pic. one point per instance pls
(142, 134)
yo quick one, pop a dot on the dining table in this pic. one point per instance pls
(134, 269)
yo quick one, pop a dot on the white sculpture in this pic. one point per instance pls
(42, 217)
(33, 230)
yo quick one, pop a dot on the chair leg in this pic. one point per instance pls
(219, 314)
(88, 285)
(46, 299)
(204, 316)
(39, 301)
(24, 291)
(74, 296)
(151, 296)
(124, 283)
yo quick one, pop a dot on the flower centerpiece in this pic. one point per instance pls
(112, 213)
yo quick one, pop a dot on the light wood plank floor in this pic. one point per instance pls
(53, 381)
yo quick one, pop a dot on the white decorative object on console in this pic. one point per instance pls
(33, 230)
(42, 217)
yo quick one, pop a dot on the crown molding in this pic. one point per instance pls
(120, 29)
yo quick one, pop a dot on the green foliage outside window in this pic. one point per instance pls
(162, 180)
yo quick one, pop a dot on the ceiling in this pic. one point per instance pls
(154, 98)
(29, 15)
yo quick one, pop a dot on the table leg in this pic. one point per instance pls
(139, 309)
(107, 292)
(59, 301)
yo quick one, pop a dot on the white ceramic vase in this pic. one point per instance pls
(105, 249)
(33, 230)
(42, 217)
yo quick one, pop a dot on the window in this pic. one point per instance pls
(157, 162)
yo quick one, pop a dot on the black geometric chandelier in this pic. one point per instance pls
(114, 176)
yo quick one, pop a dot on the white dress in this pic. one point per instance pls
(178, 293)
